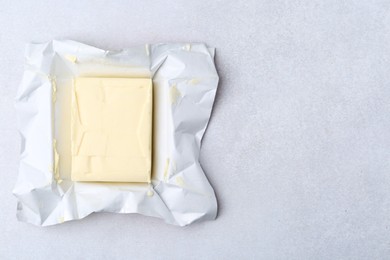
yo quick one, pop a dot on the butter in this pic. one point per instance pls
(111, 129)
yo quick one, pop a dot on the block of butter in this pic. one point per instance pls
(111, 129)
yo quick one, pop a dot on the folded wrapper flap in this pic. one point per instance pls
(184, 86)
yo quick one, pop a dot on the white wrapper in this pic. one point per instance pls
(184, 81)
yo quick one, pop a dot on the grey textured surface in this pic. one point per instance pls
(298, 148)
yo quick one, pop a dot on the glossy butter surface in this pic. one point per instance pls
(111, 129)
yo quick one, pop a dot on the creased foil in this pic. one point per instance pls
(185, 82)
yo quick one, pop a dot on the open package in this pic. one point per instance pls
(114, 131)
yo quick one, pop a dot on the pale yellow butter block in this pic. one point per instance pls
(111, 126)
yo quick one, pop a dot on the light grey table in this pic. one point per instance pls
(298, 147)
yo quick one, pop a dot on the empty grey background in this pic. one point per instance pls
(298, 144)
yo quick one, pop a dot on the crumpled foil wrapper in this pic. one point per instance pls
(185, 82)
